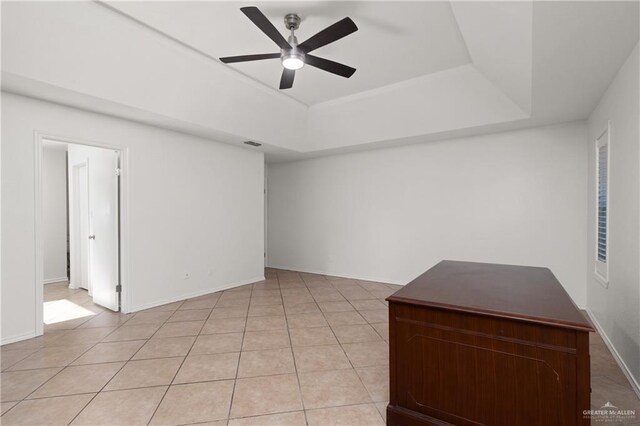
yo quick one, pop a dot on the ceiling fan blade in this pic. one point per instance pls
(266, 26)
(330, 34)
(246, 58)
(286, 81)
(330, 66)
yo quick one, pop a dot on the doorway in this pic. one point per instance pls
(95, 201)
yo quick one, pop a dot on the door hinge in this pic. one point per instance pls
(118, 288)
(118, 171)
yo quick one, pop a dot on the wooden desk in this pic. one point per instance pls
(476, 343)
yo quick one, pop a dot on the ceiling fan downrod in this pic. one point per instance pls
(293, 58)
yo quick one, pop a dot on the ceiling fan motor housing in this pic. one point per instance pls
(292, 21)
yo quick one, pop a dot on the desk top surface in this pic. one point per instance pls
(517, 292)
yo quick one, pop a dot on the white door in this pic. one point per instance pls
(103, 238)
(83, 225)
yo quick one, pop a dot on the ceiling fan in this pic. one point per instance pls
(293, 55)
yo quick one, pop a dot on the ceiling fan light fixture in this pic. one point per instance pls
(292, 60)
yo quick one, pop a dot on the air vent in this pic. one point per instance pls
(252, 143)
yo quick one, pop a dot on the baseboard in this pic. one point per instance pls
(616, 356)
(194, 294)
(13, 339)
(55, 280)
(341, 275)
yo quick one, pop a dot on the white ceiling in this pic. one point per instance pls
(578, 49)
(426, 70)
(395, 41)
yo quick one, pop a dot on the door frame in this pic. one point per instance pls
(123, 202)
(265, 203)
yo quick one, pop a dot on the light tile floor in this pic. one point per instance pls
(295, 349)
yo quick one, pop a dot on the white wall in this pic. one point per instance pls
(195, 206)
(388, 215)
(54, 214)
(616, 309)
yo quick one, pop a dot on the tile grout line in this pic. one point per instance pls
(62, 333)
(342, 348)
(183, 359)
(149, 338)
(125, 362)
(339, 343)
(376, 331)
(87, 393)
(356, 369)
(260, 415)
(353, 366)
(70, 364)
(295, 364)
(357, 310)
(61, 368)
(235, 380)
(173, 312)
(318, 306)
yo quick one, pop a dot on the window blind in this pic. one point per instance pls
(603, 201)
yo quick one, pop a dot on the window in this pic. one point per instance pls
(602, 207)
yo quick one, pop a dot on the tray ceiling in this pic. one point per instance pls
(396, 41)
(426, 70)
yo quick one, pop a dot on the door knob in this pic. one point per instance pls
(92, 237)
